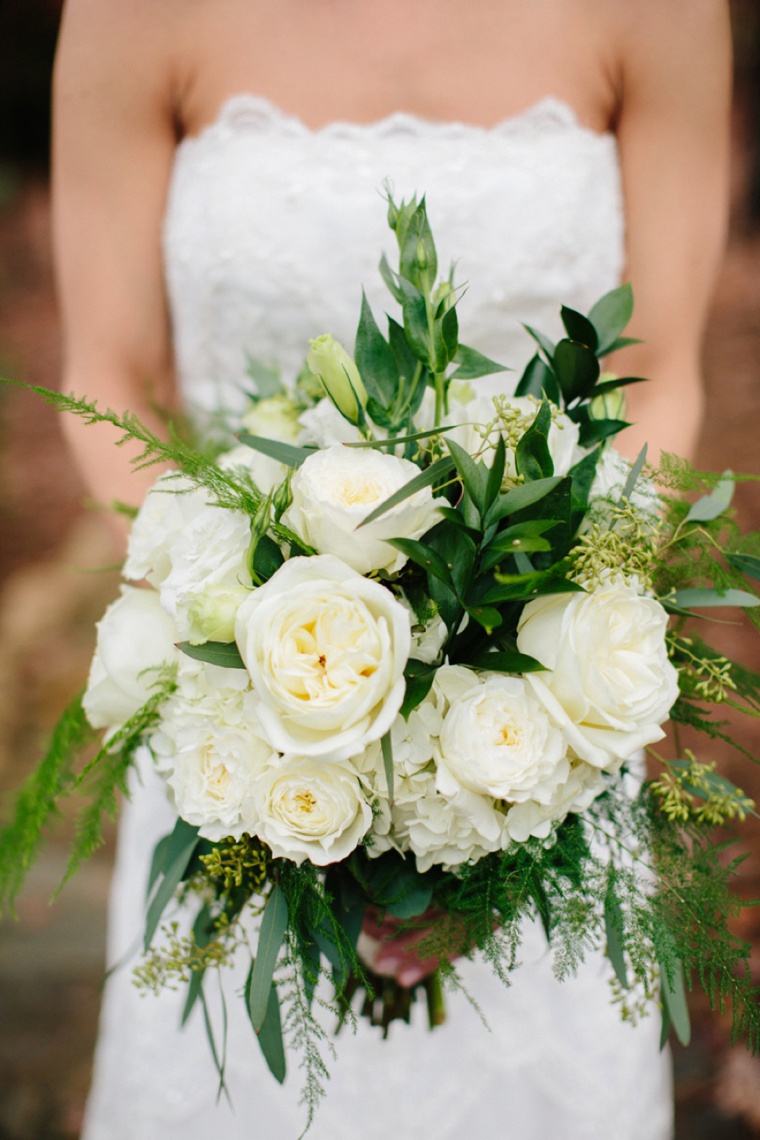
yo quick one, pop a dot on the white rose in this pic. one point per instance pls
(333, 492)
(575, 792)
(326, 650)
(496, 740)
(312, 809)
(134, 637)
(611, 684)
(169, 506)
(209, 578)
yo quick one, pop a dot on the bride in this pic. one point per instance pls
(216, 168)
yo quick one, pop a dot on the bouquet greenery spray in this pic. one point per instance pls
(397, 648)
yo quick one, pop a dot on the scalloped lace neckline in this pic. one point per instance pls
(247, 111)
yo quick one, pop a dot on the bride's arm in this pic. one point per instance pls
(673, 132)
(113, 145)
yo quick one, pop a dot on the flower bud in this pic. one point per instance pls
(611, 405)
(329, 360)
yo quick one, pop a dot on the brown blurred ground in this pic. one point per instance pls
(51, 963)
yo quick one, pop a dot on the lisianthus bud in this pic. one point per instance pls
(610, 406)
(329, 360)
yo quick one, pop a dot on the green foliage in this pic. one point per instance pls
(37, 802)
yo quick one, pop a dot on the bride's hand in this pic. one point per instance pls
(391, 946)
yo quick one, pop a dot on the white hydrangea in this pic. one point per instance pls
(574, 793)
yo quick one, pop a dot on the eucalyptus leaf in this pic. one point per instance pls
(386, 746)
(286, 453)
(710, 506)
(745, 564)
(614, 928)
(177, 856)
(270, 1034)
(610, 315)
(194, 987)
(697, 599)
(266, 378)
(222, 653)
(634, 473)
(433, 474)
(274, 923)
(158, 862)
(673, 992)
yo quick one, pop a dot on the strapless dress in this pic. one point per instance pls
(271, 231)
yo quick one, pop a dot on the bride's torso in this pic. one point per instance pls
(272, 228)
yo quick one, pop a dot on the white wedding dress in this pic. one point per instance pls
(271, 230)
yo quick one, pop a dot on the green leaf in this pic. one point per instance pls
(515, 662)
(390, 279)
(594, 431)
(538, 380)
(450, 333)
(474, 475)
(458, 552)
(286, 453)
(158, 862)
(532, 456)
(418, 260)
(610, 315)
(425, 557)
(516, 587)
(576, 368)
(419, 681)
(177, 856)
(416, 328)
(613, 385)
(274, 923)
(697, 599)
(524, 537)
(582, 479)
(621, 342)
(674, 999)
(579, 328)
(222, 653)
(270, 1034)
(374, 358)
(194, 987)
(395, 885)
(407, 363)
(433, 474)
(614, 928)
(520, 498)
(543, 342)
(267, 560)
(386, 744)
(634, 473)
(745, 564)
(454, 516)
(710, 506)
(473, 364)
(266, 378)
(496, 472)
(486, 616)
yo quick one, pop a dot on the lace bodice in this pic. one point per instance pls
(272, 229)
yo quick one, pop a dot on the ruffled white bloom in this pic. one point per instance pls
(497, 740)
(574, 793)
(211, 750)
(326, 650)
(209, 578)
(134, 637)
(168, 508)
(333, 492)
(312, 809)
(611, 684)
(324, 426)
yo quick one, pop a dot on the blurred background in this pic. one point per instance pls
(53, 589)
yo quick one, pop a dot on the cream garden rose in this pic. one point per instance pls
(496, 739)
(333, 492)
(325, 650)
(135, 636)
(312, 809)
(609, 685)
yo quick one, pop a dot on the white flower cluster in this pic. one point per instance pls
(288, 747)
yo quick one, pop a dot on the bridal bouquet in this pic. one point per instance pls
(392, 653)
